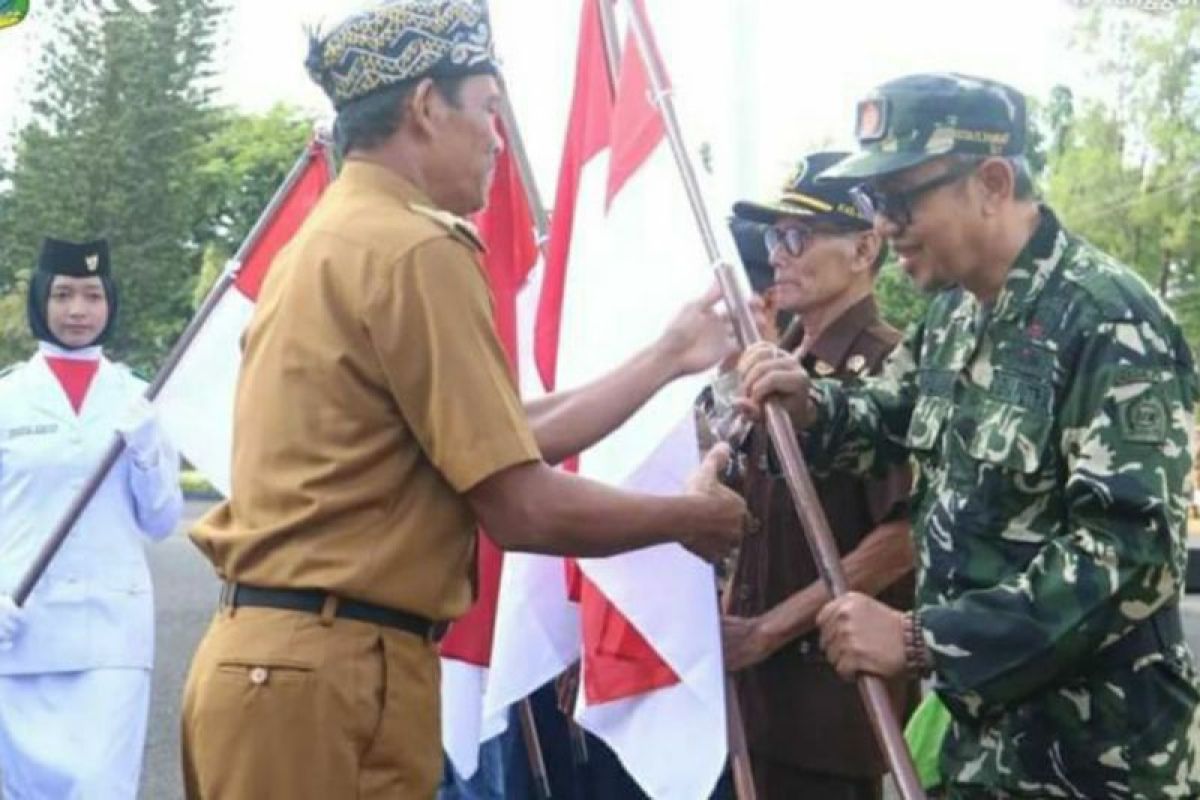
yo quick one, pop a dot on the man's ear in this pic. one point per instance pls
(421, 107)
(998, 181)
(866, 249)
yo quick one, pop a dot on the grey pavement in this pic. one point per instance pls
(186, 593)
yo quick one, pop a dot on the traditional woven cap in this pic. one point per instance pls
(401, 41)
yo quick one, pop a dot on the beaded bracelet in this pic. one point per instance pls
(917, 660)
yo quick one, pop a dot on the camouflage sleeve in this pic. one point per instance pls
(861, 429)
(1125, 426)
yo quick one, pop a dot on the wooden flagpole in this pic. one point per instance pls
(872, 689)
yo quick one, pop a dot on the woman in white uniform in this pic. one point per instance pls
(75, 660)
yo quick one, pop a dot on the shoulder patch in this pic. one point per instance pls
(1143, 419)
(461, 229)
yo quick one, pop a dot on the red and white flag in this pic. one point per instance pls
(623, 256)
(196, 403)
(506, 227)
(537, 622)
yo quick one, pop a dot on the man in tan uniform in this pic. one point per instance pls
(376, 423)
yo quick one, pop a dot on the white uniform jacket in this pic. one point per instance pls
(93, 608)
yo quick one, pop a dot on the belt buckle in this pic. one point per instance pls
(228, 594)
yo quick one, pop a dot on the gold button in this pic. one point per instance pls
(258, 676)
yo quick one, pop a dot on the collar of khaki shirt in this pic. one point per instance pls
(370, 175)
(361, 174)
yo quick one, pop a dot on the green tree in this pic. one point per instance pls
(899, 300)
(15, 341)
(240, 168)
(1124, 172)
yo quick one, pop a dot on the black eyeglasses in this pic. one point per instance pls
(871, 201)
(797, 238)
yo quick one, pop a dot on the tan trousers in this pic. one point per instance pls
(283, 705)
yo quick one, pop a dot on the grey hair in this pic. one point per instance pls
(369, 120)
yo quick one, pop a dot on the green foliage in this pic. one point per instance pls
(1124, 173)
(211, 266)
(15, 342)
(241, 166)
(899, 300)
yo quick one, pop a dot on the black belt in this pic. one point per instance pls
(313, 601)
(1157, 633)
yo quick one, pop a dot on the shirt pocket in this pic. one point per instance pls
(1010, 436)
(928, 420)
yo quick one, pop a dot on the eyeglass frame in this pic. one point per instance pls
(773, 236)
(898, 206)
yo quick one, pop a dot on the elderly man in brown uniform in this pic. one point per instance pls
(376, 424)
(807, 732)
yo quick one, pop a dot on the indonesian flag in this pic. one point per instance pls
(624, 255)
(196, 403)
(506, 227)
(537, 633)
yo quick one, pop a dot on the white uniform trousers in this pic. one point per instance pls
(73, 735)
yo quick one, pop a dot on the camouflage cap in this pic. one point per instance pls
(801, 196)
(399, 41)
(919, 117)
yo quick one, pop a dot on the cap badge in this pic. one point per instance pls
(92, 262)
(872, 120)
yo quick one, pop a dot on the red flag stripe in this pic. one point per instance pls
(637, 124)
(292, 211)
(588, 133)
(618, 661)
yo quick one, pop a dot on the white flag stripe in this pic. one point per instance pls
(662, 741)
(196, 404)
(689, 643)
(464, 726)
(630, 270)
(537, 628)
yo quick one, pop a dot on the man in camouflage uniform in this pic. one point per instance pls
(1046, 402)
